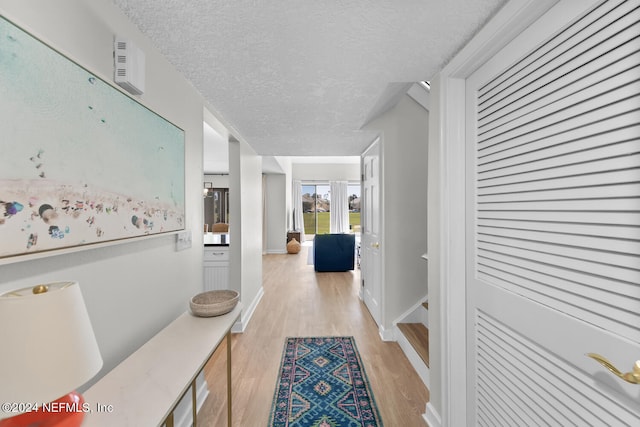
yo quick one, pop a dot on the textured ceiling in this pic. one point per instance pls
(298, 77)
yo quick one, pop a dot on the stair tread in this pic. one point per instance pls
(418, 336)
(425, 305)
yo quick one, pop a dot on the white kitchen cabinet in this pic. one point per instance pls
(216, 267)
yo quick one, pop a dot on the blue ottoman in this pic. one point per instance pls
(334, 252)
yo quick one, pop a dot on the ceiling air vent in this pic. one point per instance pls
(129, 66)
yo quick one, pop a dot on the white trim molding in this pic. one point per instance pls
(431, 417)
(415, 314)
(247, 313)
(420, 94)
(275, 252)
(510, 21)
(386, 334)
(452, 246)
(414, 358)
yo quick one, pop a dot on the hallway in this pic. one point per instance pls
(299, 302)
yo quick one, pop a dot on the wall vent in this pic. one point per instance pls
(129, 66)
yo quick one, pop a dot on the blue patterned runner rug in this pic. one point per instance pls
(322, 383)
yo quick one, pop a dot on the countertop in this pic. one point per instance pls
(216, 239)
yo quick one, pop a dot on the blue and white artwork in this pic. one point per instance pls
(80, 162)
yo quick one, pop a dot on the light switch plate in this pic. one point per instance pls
(183, 240)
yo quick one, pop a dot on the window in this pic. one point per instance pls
(354, 207)
(316, 205)
(316, 208)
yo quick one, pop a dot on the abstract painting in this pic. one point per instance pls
(81, 163)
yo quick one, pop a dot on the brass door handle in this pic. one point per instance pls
(630, 377)
(375, 245)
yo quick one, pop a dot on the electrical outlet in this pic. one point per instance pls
(183, 240)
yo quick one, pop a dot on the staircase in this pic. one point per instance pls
(413, 337)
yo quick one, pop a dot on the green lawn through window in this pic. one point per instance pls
(323, 222)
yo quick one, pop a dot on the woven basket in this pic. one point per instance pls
(213, 303)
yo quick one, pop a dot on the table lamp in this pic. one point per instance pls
(48, 350)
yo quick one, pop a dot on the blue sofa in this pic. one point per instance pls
(334, 252)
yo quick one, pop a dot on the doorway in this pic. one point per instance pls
(541, 264)
(216, 205)
(371, 251)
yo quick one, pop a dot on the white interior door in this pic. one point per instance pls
(553, 221)
(370, 252)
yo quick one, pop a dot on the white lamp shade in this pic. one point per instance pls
(48, 345)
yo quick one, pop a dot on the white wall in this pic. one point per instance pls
(278, 205)
(326, 172)
(288, 173)
(133, 289)
(245, 226)
(276, 213)
(404, 136)
(218, 181)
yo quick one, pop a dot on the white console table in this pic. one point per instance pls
(145, 388)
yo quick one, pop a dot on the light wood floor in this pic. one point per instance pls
(299, 302)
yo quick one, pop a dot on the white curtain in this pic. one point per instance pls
(339, 217)
(298, 219)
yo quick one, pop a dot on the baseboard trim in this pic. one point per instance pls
(386, 334)
(413, 356)
(409, 316)
(275, 251)
(432, 417)
(247, 313)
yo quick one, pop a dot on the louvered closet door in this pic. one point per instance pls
(553, 221)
